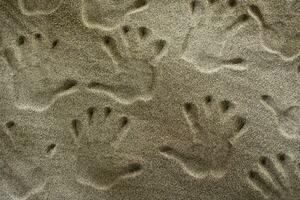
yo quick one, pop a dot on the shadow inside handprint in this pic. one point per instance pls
(134, 69)
(99, 164)
(214, 129)
(20, 178)
(277, 177)
(108, 14)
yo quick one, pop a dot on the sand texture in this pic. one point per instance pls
(149, 100)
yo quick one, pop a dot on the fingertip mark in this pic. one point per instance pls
(90, 112)
(55, 43)
(50, 148)
(69, 83)
(281, 157)
(240, 123)
(125, 29)
(188, 107)
(75, 126)
(143, 32)
(232, 3)
(165, 148)
(263, 161)
(10, 124)
(140, 3)
(226, 105)
(124, 122)
(107, 111)
(208, 99)
(21, 40)
(38, 36)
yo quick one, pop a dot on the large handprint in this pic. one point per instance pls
(214, 128)
(99, 136)
(135, 72)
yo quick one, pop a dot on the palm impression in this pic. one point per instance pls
(214, 127)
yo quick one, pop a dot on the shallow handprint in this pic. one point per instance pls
(214, 128)
(214, 22)
(277, 177)
(34, 88)
(288, 118)
(135, 72)
(19, 176)
(99, 163)
(282, 35)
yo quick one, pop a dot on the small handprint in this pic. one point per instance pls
(289, 118)
(134, 68)
(216, 23)
(98, 138)
(276, 178)
(34, 88)
(38, 7)
(214, 128)
(21, 179)
(108, 14)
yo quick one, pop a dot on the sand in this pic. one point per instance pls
(149, 99)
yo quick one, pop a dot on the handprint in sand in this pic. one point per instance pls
(214, 127)
(98, 137)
